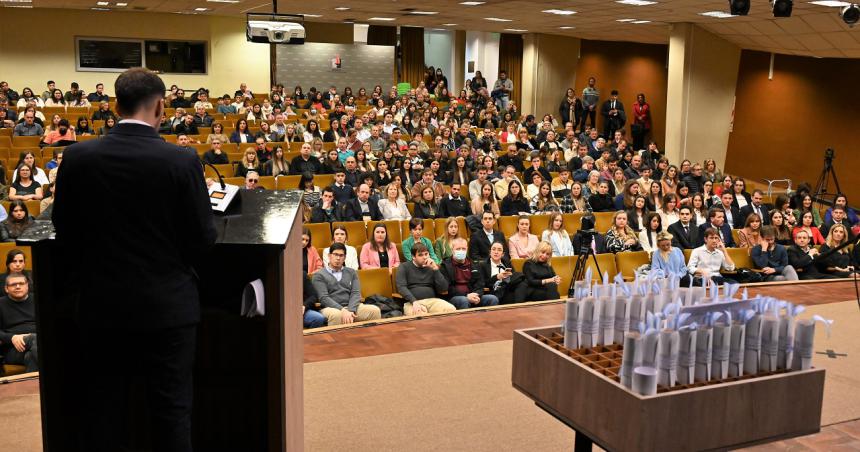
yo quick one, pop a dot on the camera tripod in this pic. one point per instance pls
(582, 262)
(824, 178)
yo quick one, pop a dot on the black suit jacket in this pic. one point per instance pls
(476, 282)
(453, 208)
(681, 240)
(747, 210)
(351, 211)
(141, 275)
(728, 241)
(343, 194)
(479, 244)
(736, 222)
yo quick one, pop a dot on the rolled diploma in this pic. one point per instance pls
(752, 345)
(589, 323)
(637, 311)
(769, 343)
(783, 354)
(686, 356)
(571, 323)
(628, 358)
(652, 303)
(804, 338)
(698, 294)
(736, 350)
(607, 321)
(622, 318)
(645, 380)
(648, 347)
(580, 287)
(667, 357)
(704, 347)
(720, 354)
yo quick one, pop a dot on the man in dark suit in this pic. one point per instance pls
(613, 114)
(837, 216)
(454, 205)
(480, 241)
(343, 191)
(731, 214)
(361, 208)
(717, 220)
(685, 233)
(137, 294)
(756, 207)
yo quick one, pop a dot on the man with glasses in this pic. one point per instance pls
(252, 181)
(18, 324)
(694, 180)
(339, 291)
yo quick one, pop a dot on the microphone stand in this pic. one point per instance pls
(218, 173)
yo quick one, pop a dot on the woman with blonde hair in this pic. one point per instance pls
(556, 235)
(393, 207)
(669, 259)
(838, 263)
(442, 246)
(750, 235)
(621, 237)
(540, 277)
(249, 163)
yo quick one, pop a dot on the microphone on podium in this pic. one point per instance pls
(217, 173)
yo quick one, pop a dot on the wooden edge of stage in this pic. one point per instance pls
(405, 318)
(19, 377)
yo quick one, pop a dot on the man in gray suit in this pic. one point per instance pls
(339, 291)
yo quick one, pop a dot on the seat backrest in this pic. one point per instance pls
(518, 263)
(507, 225)
(606, 261)
(290, 182)
(603, 221)
(538, 224)
(320, 235)
(429, 229)
(563, 267)
(741, 257)
(357, 234)
(375, 281)
(628, 262)
(20, 141)
(394, 232)
(572, 221)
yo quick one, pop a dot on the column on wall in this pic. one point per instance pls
(482, 48)
(549, 68)
(703, 71)
(458, 75)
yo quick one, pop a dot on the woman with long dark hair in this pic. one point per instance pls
(379, 252)
(19, 220)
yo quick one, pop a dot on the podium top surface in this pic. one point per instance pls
(262, 217)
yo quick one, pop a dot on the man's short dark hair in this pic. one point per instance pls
(713, 212)
(835, 208)
(758, 191)
(50, 82)
(419, 248)
(16, 275)
(614, 92)
(337, 246)
(711, 232)
(75, 85)
(136, 87)
(686, 207)
(182, 135)
(768, 231)
(99, 84)
(64, 122)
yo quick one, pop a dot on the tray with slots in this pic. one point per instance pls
(581, 387)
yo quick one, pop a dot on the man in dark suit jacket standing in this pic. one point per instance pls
(755, 207)
(480, 241)
(717, 220)
(685, 233)
(137, 294)
(357, 209)
(613, 114)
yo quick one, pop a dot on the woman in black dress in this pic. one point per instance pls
(540, 277)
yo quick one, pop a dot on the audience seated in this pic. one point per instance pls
(771, 258)
(327, 210)
(540, 277)
(392, 206)
(802, 257)
(717, 221)
(480, 241)
(806, 222)
(339, 235)
(750, 235)
(311, 316)
(454, 205)
(556, 235)
(421, 284)
(685, 233)
(18, 342)
(621, 237)
(837, 263)
(339, 290)
(522, 244)
(465, 280)
(755, 207)
(708, 260)
(311, 260)
(669, 259)
(416, 235)
(379, 252)
(850, 214)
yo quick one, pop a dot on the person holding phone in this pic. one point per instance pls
(500, 278)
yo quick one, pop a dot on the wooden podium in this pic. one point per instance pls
(248, 371)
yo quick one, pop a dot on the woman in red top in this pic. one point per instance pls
(806, 224)
(641, 122)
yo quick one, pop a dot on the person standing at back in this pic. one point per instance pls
(142, 304)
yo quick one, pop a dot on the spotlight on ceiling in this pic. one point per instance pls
(739, 7)
(781, 8)
(850, 14)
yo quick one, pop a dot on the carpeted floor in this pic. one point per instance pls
(456, 399)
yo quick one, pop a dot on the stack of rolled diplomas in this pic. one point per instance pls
(678, 337)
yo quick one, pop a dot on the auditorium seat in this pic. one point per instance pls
(86, 137)
(687, 254)
(13, 369)
(628, 262)
(33, 207)
(356, 233)
(225, 169)
(375, 281)
(606, 261)
(429, 229)
(320, 235)
(6, 140)
(538, 224)
(25, 141)
(563, 266)
(267, 182)
(240, 181)
(736, 236)
(323, 180)
(507, 225)
(518, 263)
(572, 222)
(603, 221)
(290, 182)
(741, 257)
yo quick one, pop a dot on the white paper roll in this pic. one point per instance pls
(589, 319)
(736, 350)
(637, 311)
(786, 329)
(752, 345)
(667, 357)
(622, 318)
(628, 357)
(704, 348)
(686, 356)
(804, 340)
(571, 323)
(648, 349)
(606, 332)
(720, 355)
(769, 343)
(645, 380)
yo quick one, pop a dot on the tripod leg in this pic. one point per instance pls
(594, 256)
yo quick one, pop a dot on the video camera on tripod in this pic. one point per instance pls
(582, 242)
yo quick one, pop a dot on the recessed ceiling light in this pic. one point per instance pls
(20, 6)
(424, 13)
(103, 3)
(384, 19)
(560, 12)
(635, 2)
(100, 9)
(641, 22)
(449, 25)
(311, 15)
(717, 14)
(201, 9)
(567, 28)
(362, 25)
(16, 1)
(472, 3)
(122, 4)
(223, 1)
(832, 3)
(439, 29)
(625, 20)
(496, 19)
(342, 8)
(516, 30)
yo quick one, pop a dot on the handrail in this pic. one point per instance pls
(770, 183)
